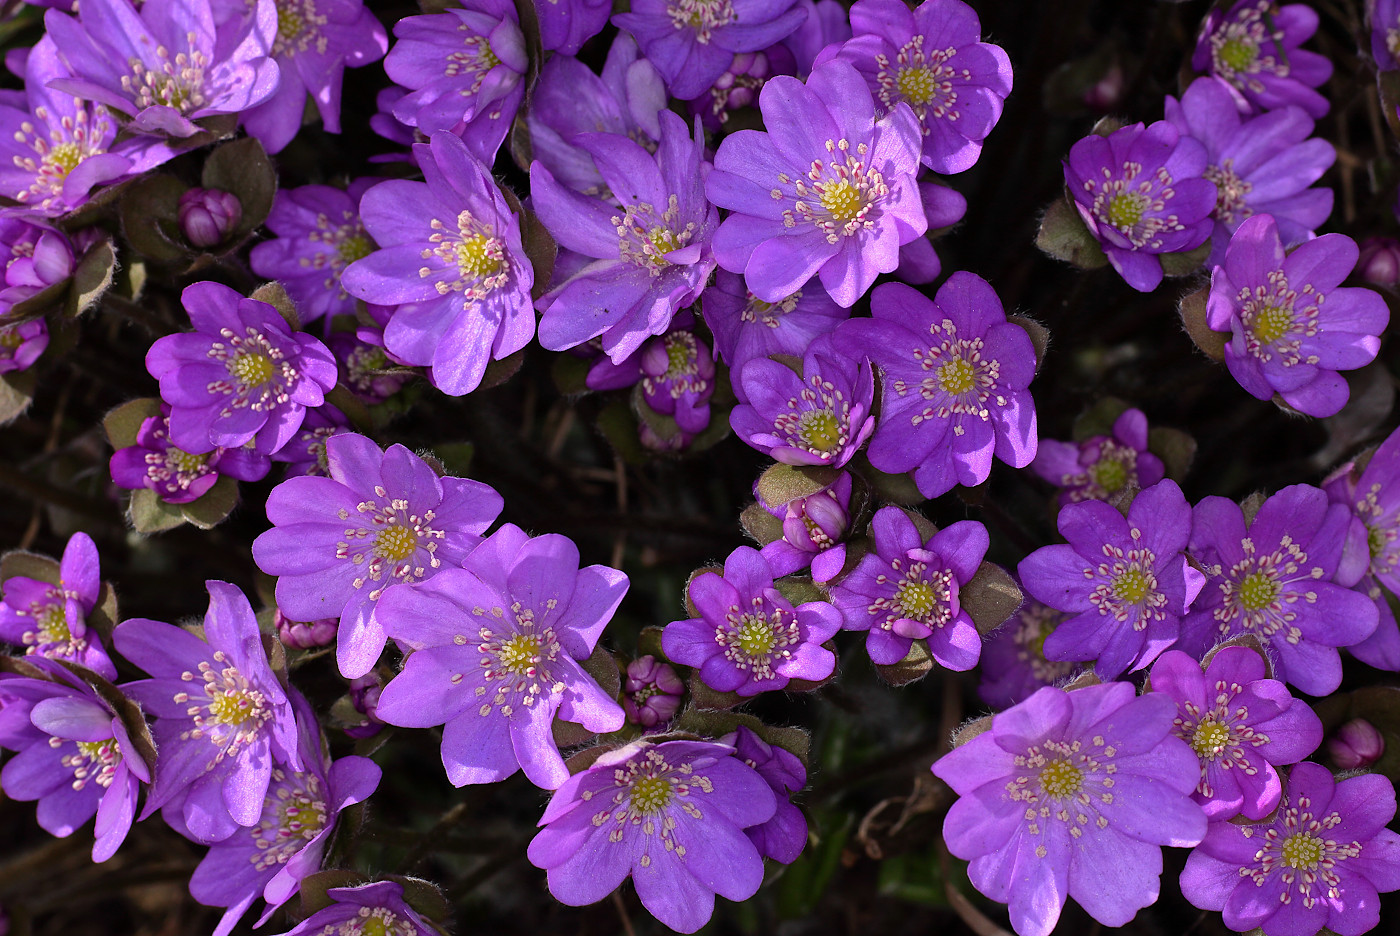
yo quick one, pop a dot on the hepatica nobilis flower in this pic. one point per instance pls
(1385, 33)
(1240, 723)
(241, 376)
(933, 59)
(650, 243)
(497, 647)
(1284, 579)
(955, 374)
(380, 519)
(1254, 47)
(222, 718)
(1073, 793)
(450, 255)
(1292, 324)
(814, 531)
(1319, 861)
(363, 910)
(671, 815)
(1142, 191)
(783, 837)
(49, 619)
(177, 476)
(1101, 465)
(746, 327)
(1013, 662)
(906, 589)
(1124, 581)
(22, 344)
(827, 190)
(749, 638)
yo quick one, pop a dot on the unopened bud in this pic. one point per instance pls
(651, 693)
(304, 635)
(1380, 261)
(1356, 744)
(364, 695)
(208, 215)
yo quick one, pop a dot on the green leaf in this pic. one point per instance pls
(1185, 262)
(990, 597)
(917, 664)
(214, 505)
(150, 214)
(30, 565)
(91, 277)
(1038, 334)
(242, 167)
(37, 305)
(1175, 448)
(123, 424)
(149, 514)
(313, 888)
(760, 524)
(781, 484)
(1064, 236)
(707, 699)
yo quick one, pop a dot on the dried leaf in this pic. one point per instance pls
(1193, 319)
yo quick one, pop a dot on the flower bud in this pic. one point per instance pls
(651, 693)
(1380, 261)
(1355, 744)
(304, 635)
(208, 215)
(364, 695)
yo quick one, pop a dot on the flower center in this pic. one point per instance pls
(1132, 586)
(917, 599)
(293, 814)
(1126, 209)
(917, 85)
(95, 761)
(1257, 590)
(1271, 323)
(1376, 540)
(957, 376)
(232, 707)
(252, 369)
(1210, 739)
(644, 237)
(1230, 191)
(354, 247)
(64, 157)
(679, 355)
(755, 636)
(650, 795)
(395, 542)
(1109, 474)
(472, 252)
(842, 201)
(1302, 851)
(1061, 778)
(176, 83)
(479, 256)
(703, 16)
(521, 654)
(820, 429)
(53, 624)
(1237, 53)
(186, 462)
(289, 22)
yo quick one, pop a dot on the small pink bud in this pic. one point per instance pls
(1380, 261)
(652, 692)
(1356, 744)
(208, 215)
(304, 635)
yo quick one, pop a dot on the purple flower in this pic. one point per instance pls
(748, 637)
(827, 191)
(1101, 465)
(738, 87)
(783, 837)
(819, 417)
(1260, 165)
(450, 247)
(652, 246)
(1125, 582)
(319, 233)
(1282, 579)
(305, 454)
(1379, 262)
(1072, 794)
(241, 376)
(22, 344)
(304, 635)
(1240, 723)
(827, 23)
(365, 909)
(676, 371)
(692, 42)
(364, 698)
(954, 379)
(73, 755)
(49, 619)
(933, 59)
(746, 327)
(497, 647)
(166, 65)
(178, 476)
(1254, 47)
(364, 360)
(814, 528)
(222, 718)
(207, 216)
(906, 589)
(1319, 861)
(651, 693)
(1355, 745)
(381, 518)
(565, 25)
(1284, 339)
(1013, 661)
(1141, 191)
(33, 257)
(671, 815)
(464, 70)
(1385, 33)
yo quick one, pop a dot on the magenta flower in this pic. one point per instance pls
(1318, 862)
(364, 361)
(651, 693)
(358, 910)
(22, 344)
(496, 648)
(1101, 465)
(1072, 794)
(1282, 578)
(1142, 192)
(692, 42)
(167, 65)
(746, 327)
(783, 837)
(1124, 582)
(827, 191)
(1240, 723)
(671, 815)
(906, 589)
(1284, 339)
(222, 717)
(1356, 744)
(305, 454)
(954, 379)
(304, 635)
(49, 619)
(749, 638)
(1254, 47)
(381, 518)
(33, 257)
(814, 530)
(1013, 662)
(241, 376)
(676, 372)
(179, 477)
(933, 59)
(740, 84)
(449, 248)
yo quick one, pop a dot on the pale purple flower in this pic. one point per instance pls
(208, 216)
(364, 361)
(670, 815)
(783, 837)
(740, 84)
(565, 25)
(954, 378)
(177, 476)
(49, 619)
(496, 653)
(241, 376)
(166, 65)
(827, 22)
(651, 693)
(1318, 861)
(676, 372)
(1283, 579)
(1124, 581)
(748, 637)
(1072, 794)
(366, 908)
(746, 327)
(1355, 745)
(381, 518)
(1240, 723)
(1260, 165)
(933, 59)
(1013, 662)
(1292, 325)
(1142, 191)
(305, 454)
(222, 717)
(814, 531)
(1254, 47)
(651, 245)
(1101, 465)
(828, 190)
(33, 257)
(22, 344)
(906, 589)
(692, 42)
(450, 256)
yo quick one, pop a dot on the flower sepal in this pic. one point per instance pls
(1064, 236)
(917, 664)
